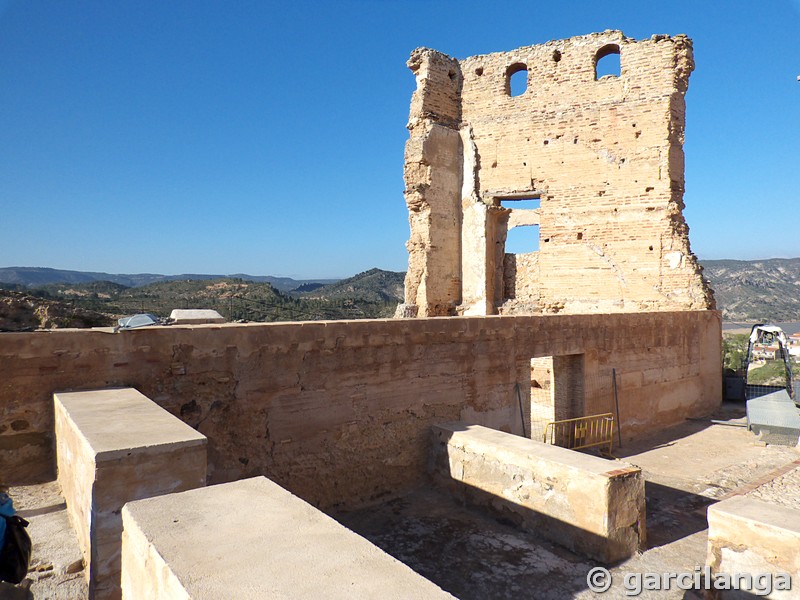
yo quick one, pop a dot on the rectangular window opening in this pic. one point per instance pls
(521, 203)
(522, 240)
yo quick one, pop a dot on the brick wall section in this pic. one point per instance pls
(606, 157)
(340, 411)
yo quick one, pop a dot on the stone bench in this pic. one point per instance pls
(587, 504)
(750, 536)
(112, 446)
(253, 539)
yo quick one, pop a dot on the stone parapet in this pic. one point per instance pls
(340, 412)
(587, 504)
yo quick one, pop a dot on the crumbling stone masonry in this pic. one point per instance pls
(339, 412)
(597, 163)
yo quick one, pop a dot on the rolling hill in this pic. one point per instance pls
(40, 276)
(374, 285)
(368, 295)
(759, 290)
(23, 312)
(756, 290)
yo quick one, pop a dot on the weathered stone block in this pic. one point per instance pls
(116, 445)
(253, 539)
(588, 504)
(751, 537)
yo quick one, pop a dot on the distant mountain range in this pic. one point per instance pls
(374, 285)
(746, 290)
(92, 298)
(756, 290)
(36, 276)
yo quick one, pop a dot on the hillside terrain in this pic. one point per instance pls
(23, 312)
(762, 290)
(374, 285)
(102, 302)
(756, 290)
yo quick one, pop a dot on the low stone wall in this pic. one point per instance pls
(253, 539)
(113, 446)
(340, 412)
(751, 537)
(588, 504)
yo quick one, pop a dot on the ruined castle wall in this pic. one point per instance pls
(606, 159)
(340, 412)
(433, 185)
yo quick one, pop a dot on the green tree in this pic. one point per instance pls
(734, 351)
(773, 372)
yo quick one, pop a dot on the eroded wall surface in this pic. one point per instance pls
(602, 156)
(340, 412)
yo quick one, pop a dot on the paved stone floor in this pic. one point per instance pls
(474, 556)
(687, 468)
(56, 571)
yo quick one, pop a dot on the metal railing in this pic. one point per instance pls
(583, 432)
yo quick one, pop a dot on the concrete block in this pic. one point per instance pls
(774, 418)
(253, 539)
(195, 316)
(588, 504)
(749, 536)
(112, 446)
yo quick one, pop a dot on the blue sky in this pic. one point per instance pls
(267, 137)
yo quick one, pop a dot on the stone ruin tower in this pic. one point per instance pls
(591, 167)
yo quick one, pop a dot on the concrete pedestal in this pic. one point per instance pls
(253, 539)
(116, 445)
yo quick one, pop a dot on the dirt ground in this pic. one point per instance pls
(474, 556)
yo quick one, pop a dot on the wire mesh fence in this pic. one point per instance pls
(752, 391)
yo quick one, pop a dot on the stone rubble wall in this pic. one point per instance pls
(433, 184)
(340, 412)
